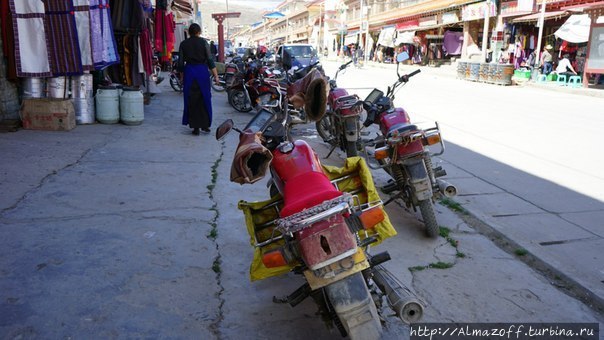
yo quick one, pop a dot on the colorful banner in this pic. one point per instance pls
(476, 11)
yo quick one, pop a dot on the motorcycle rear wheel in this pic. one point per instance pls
(238, 100)
(175, 83)
(355, 307)
(427, 210)
(218, 88)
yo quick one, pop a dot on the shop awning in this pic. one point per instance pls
(575, 29)
(546, 16)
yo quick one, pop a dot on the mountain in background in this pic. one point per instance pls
(251, 12)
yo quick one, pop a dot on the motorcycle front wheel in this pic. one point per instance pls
(427, 210)
(355, 308)
(238, 100)
(351, 149)
(325, 130)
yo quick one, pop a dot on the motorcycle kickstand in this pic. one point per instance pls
(333, 147)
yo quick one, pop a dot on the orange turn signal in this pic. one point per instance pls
(372, 216)
(432, 139)
(381, 153)
(274, 258)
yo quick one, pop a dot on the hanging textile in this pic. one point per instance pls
(164, 34)
(62, 38)
(8, 42)
(104, 51)
(30, 39)
(452, 42)
(82, 17)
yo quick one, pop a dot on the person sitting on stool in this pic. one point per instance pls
(564, 67)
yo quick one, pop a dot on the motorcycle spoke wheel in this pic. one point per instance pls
(175, 83)
(325, 131)
(427, 211)
(238, 101)
(217, 88)
(351, 149)
(352, 302)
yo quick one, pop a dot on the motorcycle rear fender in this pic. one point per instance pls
(418, 178)
(351, 129)
(326, 242)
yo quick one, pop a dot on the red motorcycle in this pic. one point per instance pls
(312, 227)
(401, 149)
(341, 127)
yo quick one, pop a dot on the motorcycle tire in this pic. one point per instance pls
(351, 149)
(355, 308)
(218, 88)
(175, 83)
(324, 129)
(238, 100)
(427, 211)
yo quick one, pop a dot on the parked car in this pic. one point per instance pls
(301, 55)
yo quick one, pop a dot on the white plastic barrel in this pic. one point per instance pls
(132, 109)
(82, 98)
(107, 105)
(33, 87)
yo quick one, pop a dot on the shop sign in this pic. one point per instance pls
(450, 18)
(476, 11)
(595, 52)
(407, 24)
(512, 7)
(427, 21)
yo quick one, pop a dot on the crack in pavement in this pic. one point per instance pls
(215, 325)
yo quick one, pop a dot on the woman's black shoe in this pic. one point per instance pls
(196, 131)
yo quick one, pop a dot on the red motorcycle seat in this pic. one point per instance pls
(401, 129)
(307, 190)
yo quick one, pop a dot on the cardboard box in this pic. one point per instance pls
(48, 114)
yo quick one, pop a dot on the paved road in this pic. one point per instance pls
(111, 231)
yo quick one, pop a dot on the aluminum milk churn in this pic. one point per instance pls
(132, 107)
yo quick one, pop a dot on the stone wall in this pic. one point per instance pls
(9, 98)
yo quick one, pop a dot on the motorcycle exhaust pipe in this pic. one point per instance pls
(448, 189)
(402, 301)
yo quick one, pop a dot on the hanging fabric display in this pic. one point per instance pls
(62, 38)
(8, 40)
(104, 51)
(164, 34)
(30, 38)
(82, 17)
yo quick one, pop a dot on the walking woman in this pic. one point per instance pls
(197, 62)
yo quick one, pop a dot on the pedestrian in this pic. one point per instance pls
(214, 50)
(547, 60)
(196, 62)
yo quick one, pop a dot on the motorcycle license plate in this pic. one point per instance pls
(337, 270)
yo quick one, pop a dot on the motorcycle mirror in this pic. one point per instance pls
(402, 57)
(224, 129)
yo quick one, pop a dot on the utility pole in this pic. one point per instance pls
(485, 29)
(540, 36)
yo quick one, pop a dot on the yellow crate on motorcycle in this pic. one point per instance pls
(354, 177)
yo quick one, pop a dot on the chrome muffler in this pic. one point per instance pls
(447, 189)
(403, 302)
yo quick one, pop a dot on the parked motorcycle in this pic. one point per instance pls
(401, 149)
(250, 88)
(340, 126)
(313, 228)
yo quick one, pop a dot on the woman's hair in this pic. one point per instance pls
(194, 30)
